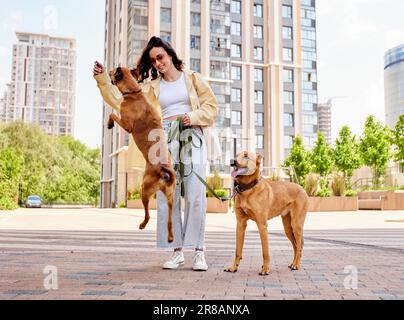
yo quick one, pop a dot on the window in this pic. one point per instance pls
(288, 142)
(165, 15)
(235, 6)
(287, 12)
(166, 36)
(236, 50)
(258, 97)
(287, 33)
(236, 73)
(259, 142)
(236, 29)
(288, 120)
(287, 97)
(235, 95)
(287, 54)
(195, 42)
(259, 119)
(258, 53)
(258, 10)
(258, 75)
(258, 32)
(236, 118)
(287, 75)
(195, 65)
(195, 19)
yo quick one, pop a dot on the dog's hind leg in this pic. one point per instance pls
(298, 214)
(147, 192)
(287, 226)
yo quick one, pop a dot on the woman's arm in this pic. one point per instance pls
(110, 93)
(207, 112)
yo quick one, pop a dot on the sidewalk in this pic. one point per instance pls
(101, 254)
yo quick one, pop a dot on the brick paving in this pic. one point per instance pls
(125, 265)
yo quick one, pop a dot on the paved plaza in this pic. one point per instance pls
(100, 254)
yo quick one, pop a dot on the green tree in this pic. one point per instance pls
(346, 154)
(59, 169)
(398, 141)
(375, 148)
(321, 156)
(10, 172)
(299, 159)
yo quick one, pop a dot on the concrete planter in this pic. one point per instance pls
(214, 205)
(317, 204)
(137, 204)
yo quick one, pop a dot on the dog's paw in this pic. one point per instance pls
(142, 226)
(170, 239)
(232, 269)
(293, 267)
(264, 271)
(110, 125)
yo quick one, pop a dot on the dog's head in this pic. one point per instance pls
(246, 167)
(125, 79)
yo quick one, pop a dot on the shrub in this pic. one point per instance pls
(219, 192)
(122, 205)
(325, 192)
(338, 185)
(351, 193)
(215, 182)
(311, 184)
(134, 195)
(7, 204)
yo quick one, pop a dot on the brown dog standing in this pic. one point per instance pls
(139, 118)
(260, 199)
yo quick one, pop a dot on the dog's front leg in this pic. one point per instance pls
(262, 228)
(240, 233)
(128, 126)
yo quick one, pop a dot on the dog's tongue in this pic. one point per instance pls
(238, 172)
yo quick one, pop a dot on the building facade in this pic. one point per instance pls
(43, 83)
(259, 57)
(324, 120)
(394, 84)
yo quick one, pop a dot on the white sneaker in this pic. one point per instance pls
(200, 262)
(176, 260)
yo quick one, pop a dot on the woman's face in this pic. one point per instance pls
(160, 59)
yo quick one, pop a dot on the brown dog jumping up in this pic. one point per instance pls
(139, 118)
(260, 199)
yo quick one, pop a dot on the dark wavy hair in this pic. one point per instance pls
(144, 64)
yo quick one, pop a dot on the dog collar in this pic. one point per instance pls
(240, 188)
(126, 93)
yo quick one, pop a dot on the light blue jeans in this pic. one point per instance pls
(188, 226)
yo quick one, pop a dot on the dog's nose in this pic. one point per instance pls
(233, 163)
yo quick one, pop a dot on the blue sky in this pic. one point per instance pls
(353, 36)
(82, 20)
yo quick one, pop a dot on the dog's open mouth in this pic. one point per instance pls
(239, 172)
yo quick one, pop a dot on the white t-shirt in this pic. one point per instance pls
(174, 97)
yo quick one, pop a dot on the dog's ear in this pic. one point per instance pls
(118, 74)
(259, 158)
(135, 73)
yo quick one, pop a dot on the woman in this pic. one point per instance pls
(177, 94)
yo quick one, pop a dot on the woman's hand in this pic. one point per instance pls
(186, 120)
(98, 68)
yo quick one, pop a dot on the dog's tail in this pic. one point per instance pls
(167, 174)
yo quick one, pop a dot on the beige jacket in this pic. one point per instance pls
(201, 96)
(203, 105)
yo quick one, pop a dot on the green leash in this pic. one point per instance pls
(176, 135)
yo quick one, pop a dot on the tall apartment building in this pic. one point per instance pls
(394, 84)
(259, 57)
(43, 83)
(324, 120)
